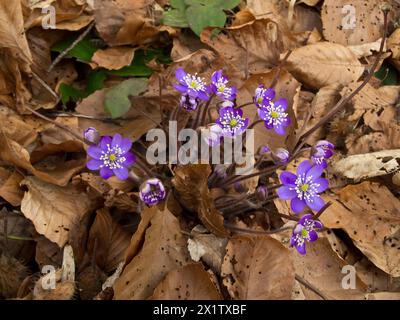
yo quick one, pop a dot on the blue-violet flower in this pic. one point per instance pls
(305, 232)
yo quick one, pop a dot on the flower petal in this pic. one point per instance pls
(126, 144)
(313, 235)
(315, 172)
(323, 184)
(269, 94)
(280, 130)
(302, 249)
(203, 96)
(130, 159)
(121, 173)
(288, 178)
(263, 113)
(106, 173)
(316, 204)
(106, 140)
(94, 164)
(181, 88)
(285, 193)
(116, 141)
(305, 218)
(282, 102)
(304, 167)
(94, 152)
(180, 74)
(318, 224)
(297, 205)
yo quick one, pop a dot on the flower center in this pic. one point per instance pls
(194, 82)
(304, 233)
(260, 99)
(221, 88)
(304, 187)
(233, 122)
(275, 114)
(112, 157)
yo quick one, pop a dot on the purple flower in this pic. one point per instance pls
(189, 103)
(274, 116)
(305, 231)
(232, 122)
(281, 155)
(112, 157)
(263, 96)
(303, 189)
(192, 85)
(322, 150)
(219, 86)
(152, 191)
(91, 135)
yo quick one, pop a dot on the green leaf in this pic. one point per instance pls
(200, 17)
(83, 51)
(117, 101)
(387, 74)
(69, 93)
(95, 81)
(175, 18)
(178, 4)
(228, 4)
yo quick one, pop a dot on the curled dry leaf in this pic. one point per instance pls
(207, 247)
(369, 213)
(190, 182)
(323, 63)
(9, 187)
(52, 170)
(363, 166)
(143, 273)
(190, 282)
(107, 241)
(257, 267)
(354, 22)
(54, 210)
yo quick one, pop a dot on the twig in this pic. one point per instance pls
(322, 210)
(310, 286)
(234, 228)
(46, 86)
(73, 44)
(77, 136)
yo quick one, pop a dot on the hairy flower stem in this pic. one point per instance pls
(243, 230)
(342, 103)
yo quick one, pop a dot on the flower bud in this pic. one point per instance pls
(262, 193)
(281, 155)
(92, 135)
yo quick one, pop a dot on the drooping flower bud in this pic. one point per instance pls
(152, 191)
(91, 135)
(280, 155)
(262, 193)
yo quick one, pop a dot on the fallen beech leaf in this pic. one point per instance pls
(190, 282)
(50, 169)
(90, 281)
(383, 296)
(362, 166)
(54, 210)
(190, 181)
(257, 267)
(107, 240)
(9, 187)
(369, 213)
(254, 47)
(15, 128)
(143, 273)
(353, 22)
(12, 273)
(114, 58)
(324, 63)
(366, 49)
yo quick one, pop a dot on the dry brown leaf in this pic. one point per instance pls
(9, 187)
(55, 211)
(51, 169)
(190, 182)
(257, 267)
(303, 18)
(113, 58)
(124, 22)
(207, 247)
(322, 64)
(254, 47)
(370, 165)
(369, 213)
(107, 240)
(190, 282)
(143, 273)
(353, 22)
(12, 273)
